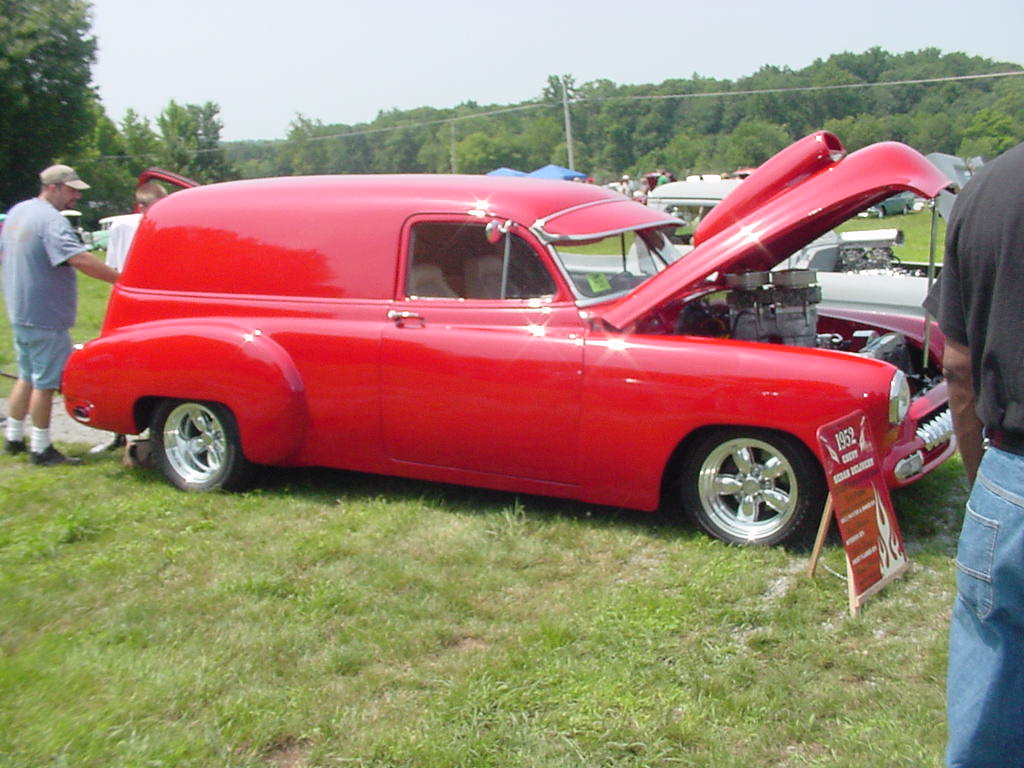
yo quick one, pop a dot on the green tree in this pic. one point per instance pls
(397, 151)
(555, 86)
(46, 55)
(867, 67)
(102, 160)
(141, 143)
(354, 152)
(860, 130)
(541, 135)
(1009, 95)
(252, 159)
(482, 151)
(685, 154)
(990, 133)
(934, 132)
(304, 151)
(753, 142)
(435, 154)
(190, 142)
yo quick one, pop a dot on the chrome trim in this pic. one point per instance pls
(899, 397)
(909, 466)
(539, 224)
(538, 227)
(937, 430)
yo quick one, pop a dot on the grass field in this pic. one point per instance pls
(916, 227)
(335, 619)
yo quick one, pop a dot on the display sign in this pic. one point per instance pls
(859, 498)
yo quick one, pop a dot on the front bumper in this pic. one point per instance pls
(938, 443)
(927, 438)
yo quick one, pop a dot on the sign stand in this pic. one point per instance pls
(819, 540)
(860, 500)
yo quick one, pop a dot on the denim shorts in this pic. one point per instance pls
(41, 354)
(985, 690)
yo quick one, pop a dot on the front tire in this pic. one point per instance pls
(197, 447)
(750, 486)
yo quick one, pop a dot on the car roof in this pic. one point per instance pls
(554, 209)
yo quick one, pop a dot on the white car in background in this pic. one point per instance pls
(101, 237)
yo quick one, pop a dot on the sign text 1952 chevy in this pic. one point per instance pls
(520, 334)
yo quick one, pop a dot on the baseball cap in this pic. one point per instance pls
(62, 174)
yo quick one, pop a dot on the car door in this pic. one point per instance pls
(481, 366)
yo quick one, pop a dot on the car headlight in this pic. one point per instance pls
(899, 397)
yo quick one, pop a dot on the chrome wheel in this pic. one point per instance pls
(748, 488)
(753, 487)
(197, 447)
(195, 443)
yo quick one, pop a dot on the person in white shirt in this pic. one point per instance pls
(122, 231)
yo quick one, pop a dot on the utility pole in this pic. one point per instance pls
(452, 147)
(568, 122)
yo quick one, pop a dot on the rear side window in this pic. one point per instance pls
(454, 260)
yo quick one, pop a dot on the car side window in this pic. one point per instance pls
(455, 260)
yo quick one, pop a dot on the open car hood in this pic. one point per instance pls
(795, 197)
(159, 174)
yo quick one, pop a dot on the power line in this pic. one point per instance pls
(428, 123)
(585, 99)
(805, 88)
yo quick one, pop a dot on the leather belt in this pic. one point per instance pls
(1011, 442)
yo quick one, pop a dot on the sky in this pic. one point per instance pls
(336, 61)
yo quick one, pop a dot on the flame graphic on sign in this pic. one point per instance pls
(865, 444)
(890, 550)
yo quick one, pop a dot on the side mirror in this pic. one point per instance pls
(495, 230)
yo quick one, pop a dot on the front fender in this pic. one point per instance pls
(107, 379)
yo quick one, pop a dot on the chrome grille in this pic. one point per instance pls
(936, 430)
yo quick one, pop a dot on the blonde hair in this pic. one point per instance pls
(148, 193)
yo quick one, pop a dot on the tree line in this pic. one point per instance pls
(934, 101)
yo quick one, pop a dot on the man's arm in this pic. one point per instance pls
(956, 366)
(89, 265)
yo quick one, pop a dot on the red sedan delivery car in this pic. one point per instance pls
(520, 334)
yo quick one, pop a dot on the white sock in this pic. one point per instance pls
(14, 430)
(39, 439)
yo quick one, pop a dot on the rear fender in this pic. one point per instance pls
(224, 362)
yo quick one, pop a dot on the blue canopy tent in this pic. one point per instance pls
(503, 171)
(557, 172)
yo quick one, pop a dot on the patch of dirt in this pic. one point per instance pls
(291, 753)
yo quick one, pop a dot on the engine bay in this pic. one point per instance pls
(782, 307)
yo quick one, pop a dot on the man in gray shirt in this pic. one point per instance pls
(40, 253)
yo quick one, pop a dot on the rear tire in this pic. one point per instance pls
(752, 486)
(197, 447)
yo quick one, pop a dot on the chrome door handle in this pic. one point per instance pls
(400, 317)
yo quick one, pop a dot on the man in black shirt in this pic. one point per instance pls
(979, 304)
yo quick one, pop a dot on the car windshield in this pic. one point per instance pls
(606, 266)
(691, 213)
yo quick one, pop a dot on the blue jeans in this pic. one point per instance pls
(985, 690)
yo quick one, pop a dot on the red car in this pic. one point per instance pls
(521, 334)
